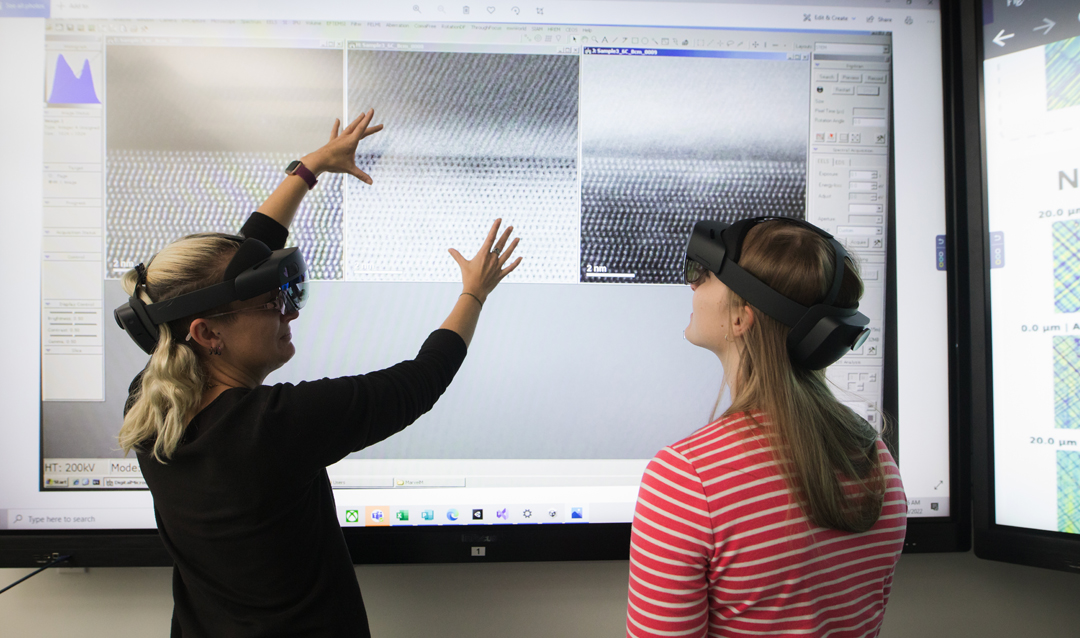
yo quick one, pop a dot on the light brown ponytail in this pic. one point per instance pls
(821, 442)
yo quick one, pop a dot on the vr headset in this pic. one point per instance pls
(254, 270)
(820, 334)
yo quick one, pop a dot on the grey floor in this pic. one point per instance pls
(953, 595)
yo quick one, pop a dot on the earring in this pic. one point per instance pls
(727, 338)
(215, 350)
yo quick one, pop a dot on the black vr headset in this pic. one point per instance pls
(820, 334)
(254, 270)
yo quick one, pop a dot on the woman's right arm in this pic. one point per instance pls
(336, 156)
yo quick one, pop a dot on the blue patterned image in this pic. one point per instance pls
(1066, 247)
(1068, 489)
(1067, 383)
(1063, 74)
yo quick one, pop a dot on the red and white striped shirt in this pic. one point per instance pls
(721, 548)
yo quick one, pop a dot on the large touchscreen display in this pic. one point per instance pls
(600, 130)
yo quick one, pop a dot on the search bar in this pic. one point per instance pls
(62, 519)
(848, 47)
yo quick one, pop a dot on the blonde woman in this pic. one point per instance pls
(787, 515)
(237, 468)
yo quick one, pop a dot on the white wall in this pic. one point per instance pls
(934, 595)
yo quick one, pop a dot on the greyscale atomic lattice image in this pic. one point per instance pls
(198, 137)
(668, 141)
(469, 138)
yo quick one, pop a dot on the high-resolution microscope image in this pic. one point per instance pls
(198, 137)
(1066, 247)
(468, 138)
(1063, 74)
(1068, 491)
(1067, 383)
(669, 141)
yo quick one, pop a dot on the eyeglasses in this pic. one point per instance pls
(693, 272)
(277, 304)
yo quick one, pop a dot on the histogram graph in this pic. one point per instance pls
(71, 78)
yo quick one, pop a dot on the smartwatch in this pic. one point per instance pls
(296, 167)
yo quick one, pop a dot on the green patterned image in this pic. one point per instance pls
(1063, 74)
(1068, 491)
(1067, 383)
(1066, 249)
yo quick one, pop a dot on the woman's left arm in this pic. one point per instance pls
(336, 156)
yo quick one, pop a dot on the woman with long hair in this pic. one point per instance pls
(238, 468)
(785, 516)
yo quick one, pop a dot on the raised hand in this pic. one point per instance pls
(339, 154)
(486, 269)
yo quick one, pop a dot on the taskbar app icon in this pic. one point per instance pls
(377, 516)
(428, 515)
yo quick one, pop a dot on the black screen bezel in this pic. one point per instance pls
(1024, 546)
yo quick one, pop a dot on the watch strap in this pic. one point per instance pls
(297, 168)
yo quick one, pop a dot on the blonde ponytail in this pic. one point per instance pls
(172, 384)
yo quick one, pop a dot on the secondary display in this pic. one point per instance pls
(1033, 115)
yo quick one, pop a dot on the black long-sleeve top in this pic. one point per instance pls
(244, 505)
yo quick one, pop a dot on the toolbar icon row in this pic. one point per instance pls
(383, 516)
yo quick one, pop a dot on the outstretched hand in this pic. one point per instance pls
(339, 154)
(483, 272)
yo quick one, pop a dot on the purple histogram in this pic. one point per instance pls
(68, 88)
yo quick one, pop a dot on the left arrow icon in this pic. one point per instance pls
(1000, 38)
(1047, 24)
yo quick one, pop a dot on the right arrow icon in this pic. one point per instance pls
(1047, 24)
(1000, 38)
